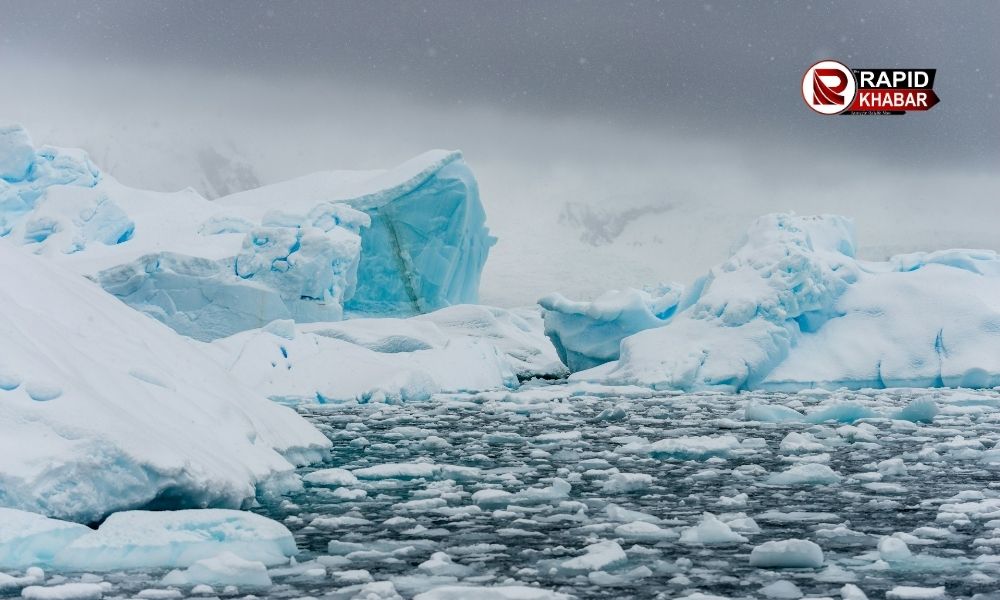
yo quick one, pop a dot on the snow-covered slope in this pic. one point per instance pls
(455, 349)
(793, 308)
(104, 409)
(416, 240)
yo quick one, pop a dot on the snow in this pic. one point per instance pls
(587, 334)
(455, 349)
(407, 240)
(793, 308)
(783, 554)
(113, 411)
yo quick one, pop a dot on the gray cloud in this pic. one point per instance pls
(681, 67)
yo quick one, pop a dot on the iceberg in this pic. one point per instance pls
(793, 308)
(427, 242)
(106, 410)
(403, 241)
(587, 334)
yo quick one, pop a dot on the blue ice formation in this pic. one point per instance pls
(587, 334)
(404, 241)
(140, 540)
(426, 247)
(793, 308)
(25, 174)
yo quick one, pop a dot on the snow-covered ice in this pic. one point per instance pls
(105, 409)
(455, 349)
(793, 308)
(402, 241)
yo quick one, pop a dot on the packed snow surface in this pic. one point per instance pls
(104, 409)
(403, 241)
(793, 308)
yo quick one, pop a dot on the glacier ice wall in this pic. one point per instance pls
(425, 249)
(793, 308)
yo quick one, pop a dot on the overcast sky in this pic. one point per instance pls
(686, 112)
(683, 66)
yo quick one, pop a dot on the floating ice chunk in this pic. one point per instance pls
(65, 591)
(772, 413)
(375, 590)
(613, 414)
(623, 483)
(587, 334)
(782, 589)
(628, 578)
(441, 564)
(624, 515)
(159, 594)
(492, 498)
(331, 477)
(711, 531)
(32, 576)
(500, 592)
(413, 471)
(892, 467)
(224, 569)
(558, 490)
(31, 539)
(796, 442)
(596, 557)
(170, 539)
(743, 524)
(852, 592)
(642, 531)
(805, 474)
(685, 447)
(919, 410)
(792, 553)
(737, 501)
(908, 592)
(892, 549)
(842, 412)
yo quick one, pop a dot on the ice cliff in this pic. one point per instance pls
(794, 308)
(104, 409)
(403, 241)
